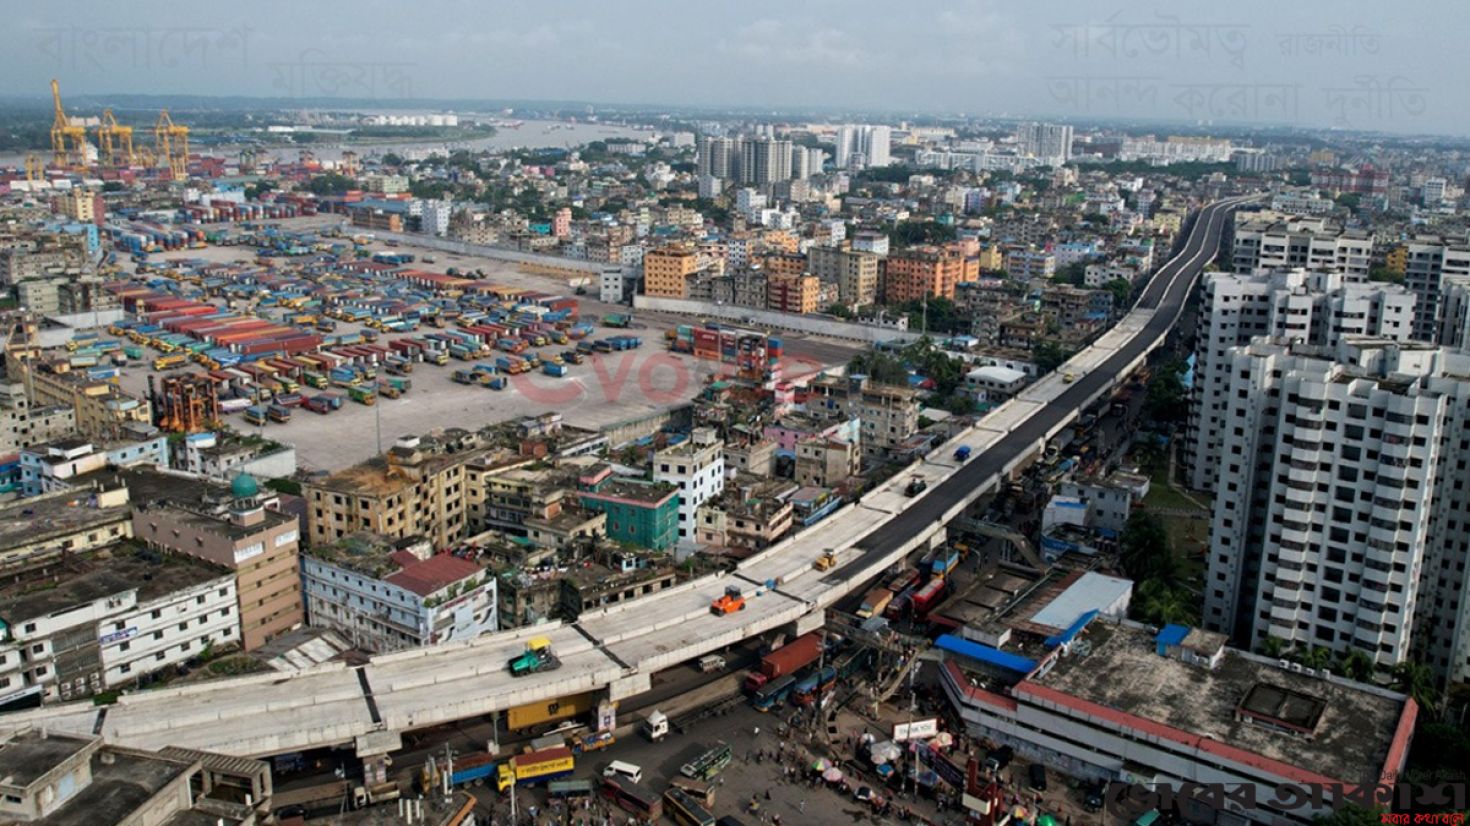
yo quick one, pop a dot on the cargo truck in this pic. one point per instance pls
(788, 659)
(617, 320)
(536, 767)
(555, 370)
(362, 395)
(874, 602)
(279, 413)
(255, 415)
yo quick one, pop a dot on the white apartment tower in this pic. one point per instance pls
(1317, 308)
(1050, 143)
(1272, 241)
(863, 145)
(1431, 265)
(1331, 512)
(697, 468)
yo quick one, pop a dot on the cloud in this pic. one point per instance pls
(769, 41)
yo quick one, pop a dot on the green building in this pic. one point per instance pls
(643, 513)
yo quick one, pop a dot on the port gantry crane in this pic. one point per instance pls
(115, 141)
(68, 139)
(171, 144)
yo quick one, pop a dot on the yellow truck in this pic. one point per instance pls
(535, 767)
(170, 361)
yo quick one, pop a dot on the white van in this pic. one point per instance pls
(618, 768)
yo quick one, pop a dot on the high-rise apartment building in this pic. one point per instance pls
(697, 468)
(765, 161)
(1316, 308)
(1272, 241)
(717, 157)
(1340, 504)
(1049, 143)
(1431, 265)
(863, 145)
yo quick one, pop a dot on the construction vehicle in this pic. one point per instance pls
(729, 602)
(68, 138)
(827, 561)
(656, 726)
(536, 658)
(1069, 377)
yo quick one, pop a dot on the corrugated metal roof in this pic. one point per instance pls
(986, 654)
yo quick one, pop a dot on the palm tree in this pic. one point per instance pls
(1355, 665)
(1273, 646)
(1416, 680)
(1317, 657)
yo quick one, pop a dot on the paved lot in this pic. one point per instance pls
(604, 390)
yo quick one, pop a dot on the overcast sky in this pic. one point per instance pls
(1398, 67)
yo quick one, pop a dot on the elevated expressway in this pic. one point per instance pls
(618, 648)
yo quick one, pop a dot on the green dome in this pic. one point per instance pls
(244, 487)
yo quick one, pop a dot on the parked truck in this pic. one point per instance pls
(874, 602)
(788, 659)
(535, 767)
(256, 415)
(279, 413)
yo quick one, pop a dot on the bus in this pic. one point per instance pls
(768, 695)
(564, 789)
(818, 682)
(707, 765)
(903, 580)
(927, 597)
(701, 791)
(632, 799)
(683, 808)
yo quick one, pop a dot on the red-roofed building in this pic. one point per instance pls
(388, 596)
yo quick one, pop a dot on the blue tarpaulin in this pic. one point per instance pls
(1072, 630)
(1170, 635)
(985, 654)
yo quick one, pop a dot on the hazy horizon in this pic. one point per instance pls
(1244, 63)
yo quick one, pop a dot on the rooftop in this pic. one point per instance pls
(28, 756)
(113, 570)
(38, 518)
(1354, 724)
(119, 786)
(425, 577)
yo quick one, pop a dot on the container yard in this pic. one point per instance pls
(323, 342)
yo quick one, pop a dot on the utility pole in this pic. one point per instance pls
(448, 770)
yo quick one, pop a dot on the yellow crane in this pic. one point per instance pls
(68, 140)
(115, 141)
(35, 168)
(171, 144)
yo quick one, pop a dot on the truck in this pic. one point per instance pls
(170, 361)
(555, 370)
(317, 404)
(279, 413)
(874, 602)
(729, 602)
(536, 658)
(496, 383)
(535, 767)
(596, 741)
(256, 415)
(363, 395)
(962, 453)
(465, 768)
(711, 662)
(656, 727)
(617, 320)
(788, 659)
(706, 766)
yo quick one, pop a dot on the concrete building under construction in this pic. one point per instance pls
(187, 403)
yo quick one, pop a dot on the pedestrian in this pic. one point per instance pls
(757, 731)
(801, 806)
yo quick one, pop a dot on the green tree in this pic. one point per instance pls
(1317, 657)
(1049, 355)
(330, 184)
(1159, 603)
(392, 159)
(1385, 275)
(1355, 665)
(1122, 291)
(1416, 680)
(1166, 401)
(1074, 273)
(259, 188)
(839, 310)
(913, 233)
(1273, 647)
(1145, 550)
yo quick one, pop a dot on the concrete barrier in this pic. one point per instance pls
(770, 319)
(552, 264)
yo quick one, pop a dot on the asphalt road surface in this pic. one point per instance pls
(1166, 293)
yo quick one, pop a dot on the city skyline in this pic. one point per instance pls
(1250, 64)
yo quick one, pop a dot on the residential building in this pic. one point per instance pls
(435, 216)
(594, 586)
(854, 272)
(261, 546)
(1272, 241)
(1431, 265)
(696, 467)
(107, 620)
(1317, 308)
(1030, 264)
(100, 409)
(919, 272)
(23, 424)
(666, 271)
(793, 293)
(863, 145)
(1333, 495)
(750, 516)
(388, 596)
(1109, 500)
(57, 777)
(54, 467)
(826, 461)
(765, 161)
(39, 530)
(1049, 143)
(642, 513)
(992, 384)
(415, 489)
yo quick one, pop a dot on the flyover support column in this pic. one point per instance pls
(628, 686)
(373, 749)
